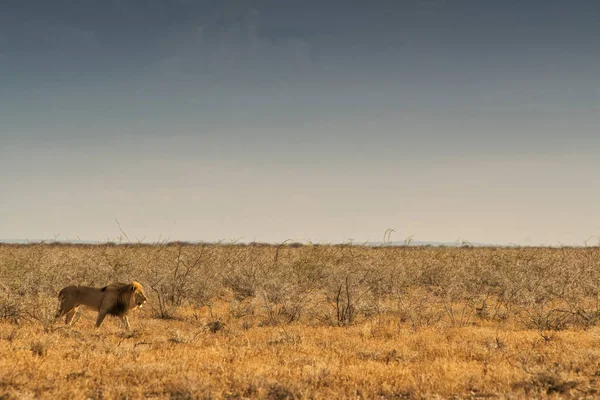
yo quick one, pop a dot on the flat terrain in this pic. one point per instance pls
(233, 321)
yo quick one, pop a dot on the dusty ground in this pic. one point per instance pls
(378, 358)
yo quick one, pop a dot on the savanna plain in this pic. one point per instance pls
(305, 321)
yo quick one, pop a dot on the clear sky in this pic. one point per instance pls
(307, 120)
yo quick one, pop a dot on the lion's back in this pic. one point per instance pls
(72, 296)
(65, 290)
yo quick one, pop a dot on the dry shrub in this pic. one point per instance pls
(543, 383)
(10, 307)
(215, 326)
(277, 391)
(179, 274)
(540, 288)
(41, 309)
(39, 348)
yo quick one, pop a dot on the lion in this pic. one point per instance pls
(116, 299)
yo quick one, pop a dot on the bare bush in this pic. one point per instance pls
(540, 288)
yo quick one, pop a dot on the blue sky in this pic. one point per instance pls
(324, 121)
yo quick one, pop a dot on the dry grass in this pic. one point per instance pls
(234, 321)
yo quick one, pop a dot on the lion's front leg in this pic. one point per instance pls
(126, 322)
(72, 316)
(101, 315)
(76, 316)
(69, 316)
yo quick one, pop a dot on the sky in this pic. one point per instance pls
(324, 121)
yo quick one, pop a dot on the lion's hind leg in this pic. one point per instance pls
(59, 313)
(61, 308)
(72, 316)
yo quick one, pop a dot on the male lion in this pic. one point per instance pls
(115, 299)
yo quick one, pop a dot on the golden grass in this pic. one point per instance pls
(420, 328)
(376, 358)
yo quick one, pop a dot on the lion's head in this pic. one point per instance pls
(128, 297)
(138, 297)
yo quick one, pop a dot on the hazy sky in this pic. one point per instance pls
(307, 120)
